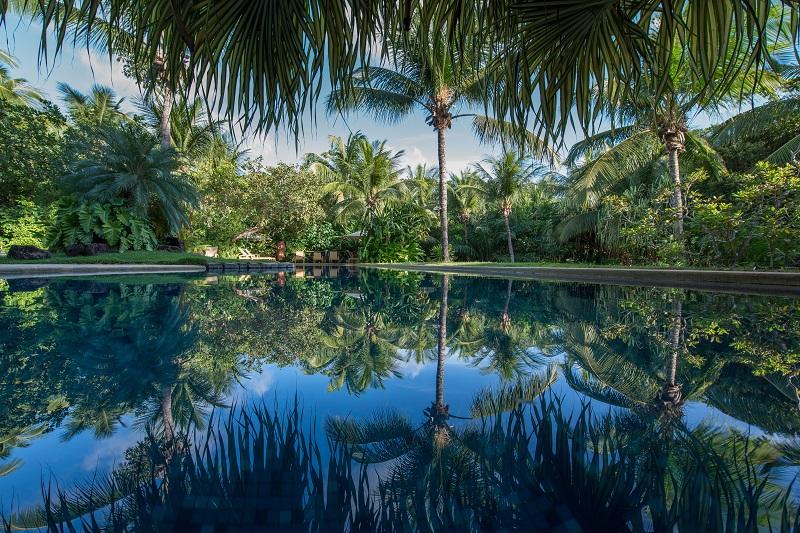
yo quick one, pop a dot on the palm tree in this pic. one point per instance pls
(438, 81)
(363, 177)
(505, 178)
(100, 107)
(466, 194)
(650, 122)
(15, 91)
(136, 168)
(190, 132)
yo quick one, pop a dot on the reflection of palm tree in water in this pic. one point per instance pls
(671, 393)
(438, 413)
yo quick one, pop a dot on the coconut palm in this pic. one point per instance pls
(505, 177)
(363, 177)
(190, 131)
(426, 78)
(651, 123)
(467, 194)
(421, 184)
(100, 106)
(136, 168)
(757, 121)
(15, 91)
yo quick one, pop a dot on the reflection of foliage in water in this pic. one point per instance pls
(91, 353)
(538, 468)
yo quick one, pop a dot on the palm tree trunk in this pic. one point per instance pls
(442, 346)
(677, 194)
(508, 235)
(443, 195)
(466, 233)
(166, 115)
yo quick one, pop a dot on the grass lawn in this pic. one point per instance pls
(116, 258)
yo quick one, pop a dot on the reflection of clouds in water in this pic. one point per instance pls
(410, 368)
(259, 382)
(109, 452)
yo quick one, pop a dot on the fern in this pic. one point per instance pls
(112, 222)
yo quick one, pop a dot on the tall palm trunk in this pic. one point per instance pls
(508, 236)
(442, 345)
(443, 194)
(677, 194)
(166, 115)
(466, 233)
(673, 135)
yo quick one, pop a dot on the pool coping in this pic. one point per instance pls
(734, 281)
(23, 270)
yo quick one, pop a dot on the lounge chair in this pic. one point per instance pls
(333, 257)
(246, 254)
(318, 257)
(299, 257)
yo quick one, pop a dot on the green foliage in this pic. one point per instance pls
(391, 252)
(135, 168)
(81, 222)
(315, 236)
(23, 224)
(32, 157)
(757, 223)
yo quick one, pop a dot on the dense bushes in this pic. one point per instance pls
(756, 223)
(112, 222)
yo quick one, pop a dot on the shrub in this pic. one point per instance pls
(23, 224)
(112, 222)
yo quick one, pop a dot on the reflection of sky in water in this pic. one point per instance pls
(78, 459)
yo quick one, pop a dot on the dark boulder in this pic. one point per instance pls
(99, 248)
(74, 250)
(27, 252)
(87, 249)
(172, 244)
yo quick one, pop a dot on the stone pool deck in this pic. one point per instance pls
(25, 270)
(33, 270)
(735, 281)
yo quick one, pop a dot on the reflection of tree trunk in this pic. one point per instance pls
(508, 236)
(443, 195)
(671, 392)
(166, 413)
(505, 319)
(442, 345)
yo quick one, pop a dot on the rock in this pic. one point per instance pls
(74, 250)
(172, 244)
(27, 252)
(99, 248)
(87, 249)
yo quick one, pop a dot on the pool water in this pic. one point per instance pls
(448, 402)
